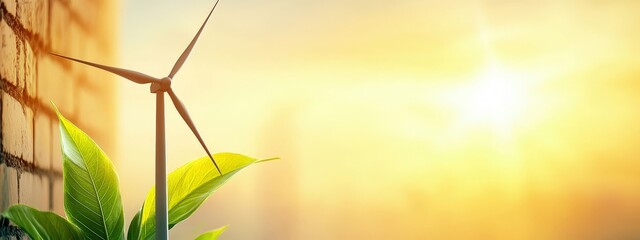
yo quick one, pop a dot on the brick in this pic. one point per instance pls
(29, 67)
(17, 128)
(92, 48)
(2, 182)
(20, 64)
(9, 187)
(96, 78)
(60, 41)
(74, 35)
(58, 197)
(54, 85)
(95, 113)
(85, 14)
(9, 64)
(33, 15)
(34, 191)
(4, 201)
(42, 144)
(56, 149)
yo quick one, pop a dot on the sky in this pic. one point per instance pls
(395, 119)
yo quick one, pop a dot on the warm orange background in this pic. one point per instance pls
(397, 119)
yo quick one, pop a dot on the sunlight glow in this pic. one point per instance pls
(453, 120)
(496, 99)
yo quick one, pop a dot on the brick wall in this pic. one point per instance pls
(30, 160)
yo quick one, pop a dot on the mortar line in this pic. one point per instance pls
(23, 165)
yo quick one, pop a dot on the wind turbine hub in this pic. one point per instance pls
(161, 86)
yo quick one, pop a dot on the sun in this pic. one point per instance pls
(496, 98)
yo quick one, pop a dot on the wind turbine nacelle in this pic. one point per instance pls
(161, 86)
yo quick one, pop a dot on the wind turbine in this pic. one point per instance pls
(159, 87)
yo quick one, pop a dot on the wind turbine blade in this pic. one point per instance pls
(187, 119)
(187, 51)
(134, 76)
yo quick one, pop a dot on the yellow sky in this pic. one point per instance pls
(396, 120)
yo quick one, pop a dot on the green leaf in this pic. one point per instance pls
(212, 235)
(134, 227)
(91, 194)
(42, 225)
(189, 186)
